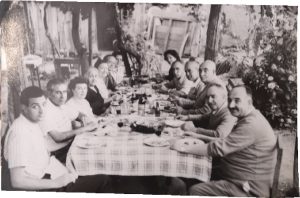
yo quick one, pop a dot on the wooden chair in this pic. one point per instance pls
(5, 174)
(64, 66)
(274, 190)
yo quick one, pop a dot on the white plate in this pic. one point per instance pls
(156, 142)
(87, 143)
(174, 123)
(172, 132)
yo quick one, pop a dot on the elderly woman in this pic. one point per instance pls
(77, 102)
(95, 90)
(171, 56)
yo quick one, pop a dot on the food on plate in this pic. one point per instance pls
(192, 141)
(156, 142)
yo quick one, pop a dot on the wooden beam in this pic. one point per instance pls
(90, 37)
(168, 34)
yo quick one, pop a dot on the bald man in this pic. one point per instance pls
(192, 73)
(180, 85)
(220, 121)
(208, 75)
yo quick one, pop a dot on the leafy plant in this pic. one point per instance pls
(272, 78)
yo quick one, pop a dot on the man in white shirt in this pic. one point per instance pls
(57, 124)
(180, 85)
(29, 162)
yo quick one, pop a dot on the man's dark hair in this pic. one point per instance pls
(219, 86)
(105, 59)
(98, 62)
(247, 88)
(214, 85)
(172, 53)
(116, 53)
(77, 80)
(55, 81)
(30, 92)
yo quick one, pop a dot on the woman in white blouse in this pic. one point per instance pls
(77, 102)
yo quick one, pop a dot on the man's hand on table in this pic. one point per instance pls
(156, 86)
(189, 126)
(190, 134)
(180, 110)
(90, 127)
(182, 117)
(176, 99)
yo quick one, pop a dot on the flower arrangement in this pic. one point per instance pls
(272, 78)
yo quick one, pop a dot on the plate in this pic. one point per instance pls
(172, 132)
(156, 142)
(87, 143)
(174, 123)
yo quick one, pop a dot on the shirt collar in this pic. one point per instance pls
(53, 105)
(197, 82)
(221, 107)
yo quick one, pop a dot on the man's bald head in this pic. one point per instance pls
(207, 71)
(192, 70)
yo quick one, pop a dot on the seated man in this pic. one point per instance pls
(248, 154)
(57, 124)
(180, 85)
(207, 73)
(115, 70)
(120, 65)
(29, 162)
(220, 121)
(192, 73)
(106, 74)
(97, 94)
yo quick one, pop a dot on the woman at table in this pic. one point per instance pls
(77, 102)
(96, 88)
(171, 56)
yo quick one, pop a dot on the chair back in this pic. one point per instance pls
(274, 190)
(5, 174)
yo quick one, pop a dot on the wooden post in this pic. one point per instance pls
(120, 43)
(212, 38)
(168, 34)
(76, 39)
(90, 37)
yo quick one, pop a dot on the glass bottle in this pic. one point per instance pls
(157, 110)
(141, 106)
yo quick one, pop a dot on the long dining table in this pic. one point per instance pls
(114, 149)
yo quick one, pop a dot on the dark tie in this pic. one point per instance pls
(96, 88)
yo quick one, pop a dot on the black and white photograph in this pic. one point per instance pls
(149, 98)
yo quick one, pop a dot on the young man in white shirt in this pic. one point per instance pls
(29, 162)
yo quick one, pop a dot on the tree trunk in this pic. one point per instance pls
(212, 38)
(81, 50)
(121, 45)
(13, 42)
